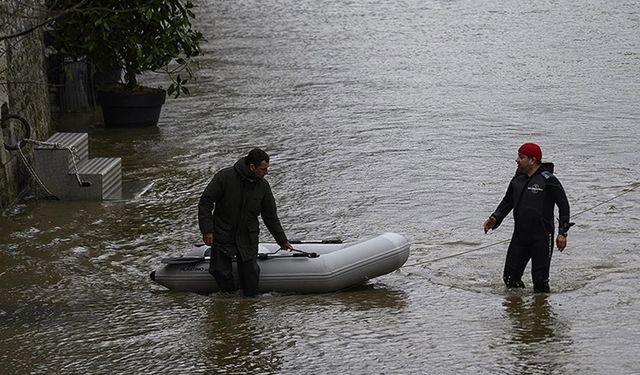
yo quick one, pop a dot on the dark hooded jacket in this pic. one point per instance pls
(532, 200)
(237, 197)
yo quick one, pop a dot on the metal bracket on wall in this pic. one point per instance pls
(4, 122)
(12, 146)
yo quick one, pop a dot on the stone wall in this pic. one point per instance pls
(23, 91)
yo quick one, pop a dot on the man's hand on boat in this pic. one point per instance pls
(207, 238)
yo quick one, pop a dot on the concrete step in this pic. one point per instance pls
(105, 174)
(84, 179)
(58, 142)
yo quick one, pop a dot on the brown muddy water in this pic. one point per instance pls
(379, 116)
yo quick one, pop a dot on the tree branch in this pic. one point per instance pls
(43, 23)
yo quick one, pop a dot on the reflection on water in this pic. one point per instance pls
(361, 298)
(244, 335)
(233, 341)
(532, 318)
(538, 339)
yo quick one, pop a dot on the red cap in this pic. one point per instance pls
(532, 150)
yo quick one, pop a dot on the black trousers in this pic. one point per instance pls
(221, 267)
(521, 250)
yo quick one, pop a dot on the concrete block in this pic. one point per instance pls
(100, 178)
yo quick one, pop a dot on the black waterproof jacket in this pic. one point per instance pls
(532, 200)
(237, 197)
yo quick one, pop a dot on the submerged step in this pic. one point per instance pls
(63, 166)
(106, 172)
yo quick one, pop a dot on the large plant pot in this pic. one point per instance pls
(122, 109)
(103, 79)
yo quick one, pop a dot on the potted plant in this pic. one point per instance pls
(133, 36)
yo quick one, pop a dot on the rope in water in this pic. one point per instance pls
(632, 186)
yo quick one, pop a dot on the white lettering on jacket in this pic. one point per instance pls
(535, 189)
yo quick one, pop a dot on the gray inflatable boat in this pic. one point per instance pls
(315, 266)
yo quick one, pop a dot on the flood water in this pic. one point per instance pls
(399, 116)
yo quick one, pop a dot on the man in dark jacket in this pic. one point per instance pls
(532, 194)
(237, 196)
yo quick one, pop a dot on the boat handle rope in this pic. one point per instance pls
(626, 190)
(183, 260)
(261, 256)
(297, 253)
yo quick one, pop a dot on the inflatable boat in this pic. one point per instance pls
(314, 267)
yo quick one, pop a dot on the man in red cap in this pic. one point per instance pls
(532, 194)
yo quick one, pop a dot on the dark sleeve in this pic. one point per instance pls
(560, 199)
(269, 214)
(212, 193)
(505, 206)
